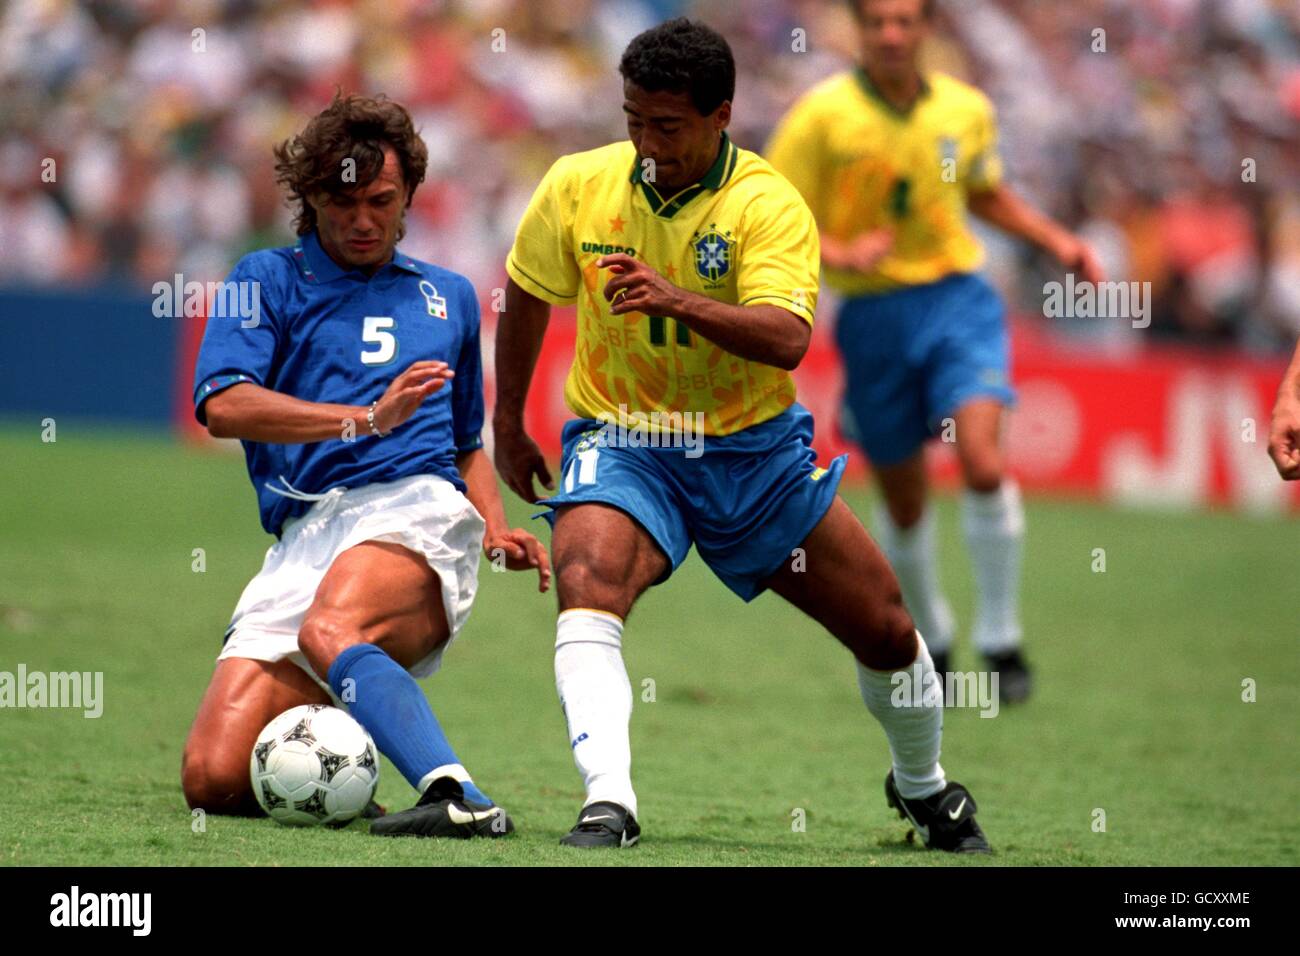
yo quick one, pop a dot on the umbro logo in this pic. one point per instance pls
(605, 249)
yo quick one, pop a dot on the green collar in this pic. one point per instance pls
(715, 178)
(874, 93)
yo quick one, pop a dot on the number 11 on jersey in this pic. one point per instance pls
(658, 336)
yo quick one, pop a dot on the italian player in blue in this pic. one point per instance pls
(356, 391)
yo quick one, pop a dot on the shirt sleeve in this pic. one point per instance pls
(986, 163)
(542, 261)
(237, 348)
(780, 256)
(796, 151)
(467, 386)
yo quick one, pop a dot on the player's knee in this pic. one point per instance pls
(904, 499)
(584, 581)
(325, 635)
(216, 783)
(906, 513)
(891, 634)
(982, 470)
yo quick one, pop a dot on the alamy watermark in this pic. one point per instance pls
(56, 689)
(954, 689)
(1098, 300)
(223, 300)
(130, 910)
(652, 430)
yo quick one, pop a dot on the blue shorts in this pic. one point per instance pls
(746, 501)
(915, 356)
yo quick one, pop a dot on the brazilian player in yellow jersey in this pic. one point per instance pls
(891, 160)
(740, 235)
(693, 266)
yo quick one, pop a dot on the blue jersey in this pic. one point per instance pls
(324, 334)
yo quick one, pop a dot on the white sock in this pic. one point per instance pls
(453, 770)
(914, 732)
(911, 553)
(597, 699)
(995, 529)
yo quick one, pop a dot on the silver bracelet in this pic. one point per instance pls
(370, 420)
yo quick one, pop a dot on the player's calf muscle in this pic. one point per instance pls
(849, 589)
(873, 624)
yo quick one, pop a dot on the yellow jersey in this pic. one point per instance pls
(741, 235)
(863, 165)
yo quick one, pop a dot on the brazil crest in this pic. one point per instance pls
(713, 254)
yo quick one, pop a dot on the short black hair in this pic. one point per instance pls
(682, 56)
(927, 9)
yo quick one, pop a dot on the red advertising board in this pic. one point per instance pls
(1162, 426)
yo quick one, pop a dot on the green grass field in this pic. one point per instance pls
(1138, 710)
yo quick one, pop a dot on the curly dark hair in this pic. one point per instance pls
(352, 127)
(682, 56)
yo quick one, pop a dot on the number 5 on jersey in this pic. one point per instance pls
(375, 332)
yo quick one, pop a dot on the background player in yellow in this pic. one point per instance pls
(890, 160)
(693, 265)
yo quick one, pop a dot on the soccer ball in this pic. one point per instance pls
(314, 764)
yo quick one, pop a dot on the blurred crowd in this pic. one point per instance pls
(135, 137)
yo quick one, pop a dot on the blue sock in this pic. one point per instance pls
(388, 702)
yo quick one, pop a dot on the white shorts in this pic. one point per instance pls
(424, 513)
